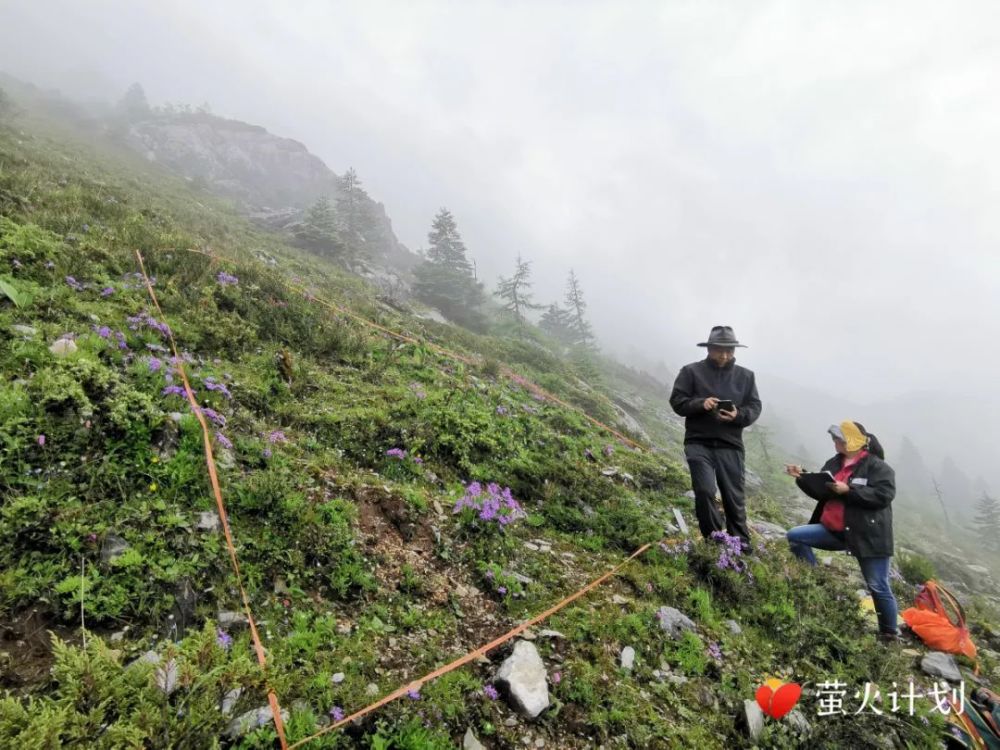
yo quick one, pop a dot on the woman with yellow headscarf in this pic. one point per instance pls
(853, 513)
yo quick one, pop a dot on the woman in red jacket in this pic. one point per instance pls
(854, 513)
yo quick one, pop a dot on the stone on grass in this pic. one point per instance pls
(523, 676)
(734, 627)
(471, 742)
(257, 717)
(229, 701)
(63, 347)
(26, 331)
(208, 520)
(232, 620)
(371, 689)
(940, 664)
(338, 678)
(751, 719)
(797, 720)
(113, 546)
(628, 658)
(673, 621)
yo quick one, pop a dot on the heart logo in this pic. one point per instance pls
(777, 698)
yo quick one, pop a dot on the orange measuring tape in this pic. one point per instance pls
(482, 650)
(272, 699)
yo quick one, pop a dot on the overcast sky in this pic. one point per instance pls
(821, 176)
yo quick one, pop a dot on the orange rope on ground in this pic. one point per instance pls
(445, 352)
(223, 516)
(481, 651)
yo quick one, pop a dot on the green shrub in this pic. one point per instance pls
(915, 568)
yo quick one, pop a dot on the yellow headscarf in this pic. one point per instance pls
(854, 439)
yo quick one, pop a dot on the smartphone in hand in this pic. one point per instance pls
(725, 405)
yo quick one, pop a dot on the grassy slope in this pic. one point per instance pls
(354, 562)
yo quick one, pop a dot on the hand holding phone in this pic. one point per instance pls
(725, 405)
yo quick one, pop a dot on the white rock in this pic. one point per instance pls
(523, 673)
(229, 701)
(208, 521)
(734, 627)
(63, 347)
(628, 658)
(338, 678)
(754, 718)
(471, 742)
(251, 720)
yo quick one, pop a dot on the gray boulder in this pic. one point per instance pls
(628, 658)
(523, 676)
(768, 530)
(751, 719)
(940, 664)
(673, 621)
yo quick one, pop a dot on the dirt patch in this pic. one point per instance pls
(396, 535)
(26, 648)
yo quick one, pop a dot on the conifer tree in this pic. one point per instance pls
(134, 105)
(582, 334)
(516, 292)
(318, 231)
(556, 322)
(352, 212)
(986, 523)
(444, 280)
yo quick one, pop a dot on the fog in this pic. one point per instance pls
(821, 177)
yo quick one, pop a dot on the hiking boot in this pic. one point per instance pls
(888, 638)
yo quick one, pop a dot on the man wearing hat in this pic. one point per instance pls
(713, 435)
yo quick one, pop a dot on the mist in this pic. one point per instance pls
(820, 178)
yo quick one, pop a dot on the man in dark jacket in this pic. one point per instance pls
(713, 436)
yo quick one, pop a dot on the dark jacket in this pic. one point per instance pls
(700, 380)
(867, 506)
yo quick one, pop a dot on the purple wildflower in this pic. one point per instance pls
(223, 638)
(337, 713)
(154, 364)
(107, 291)
(221, 388)
(490, 692)
(104, 332)
(397, 453)
(223, 440)
(413, 694)
(556, 678)
(41, 440)
(145, 320)
(418, 460)
(266, 453)
(121, 340)
(75, 285)
(226, 279)
(212, 414)
(174, 390)
(277, 436)
(495, 504)
(715, 651)
(502, 590)
(608, 450)
(502, 411)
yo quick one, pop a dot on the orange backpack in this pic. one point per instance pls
(939, 629)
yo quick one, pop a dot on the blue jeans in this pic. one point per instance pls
(803, 539)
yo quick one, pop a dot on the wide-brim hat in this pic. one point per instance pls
(722, 336)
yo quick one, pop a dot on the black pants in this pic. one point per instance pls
(708, 465)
